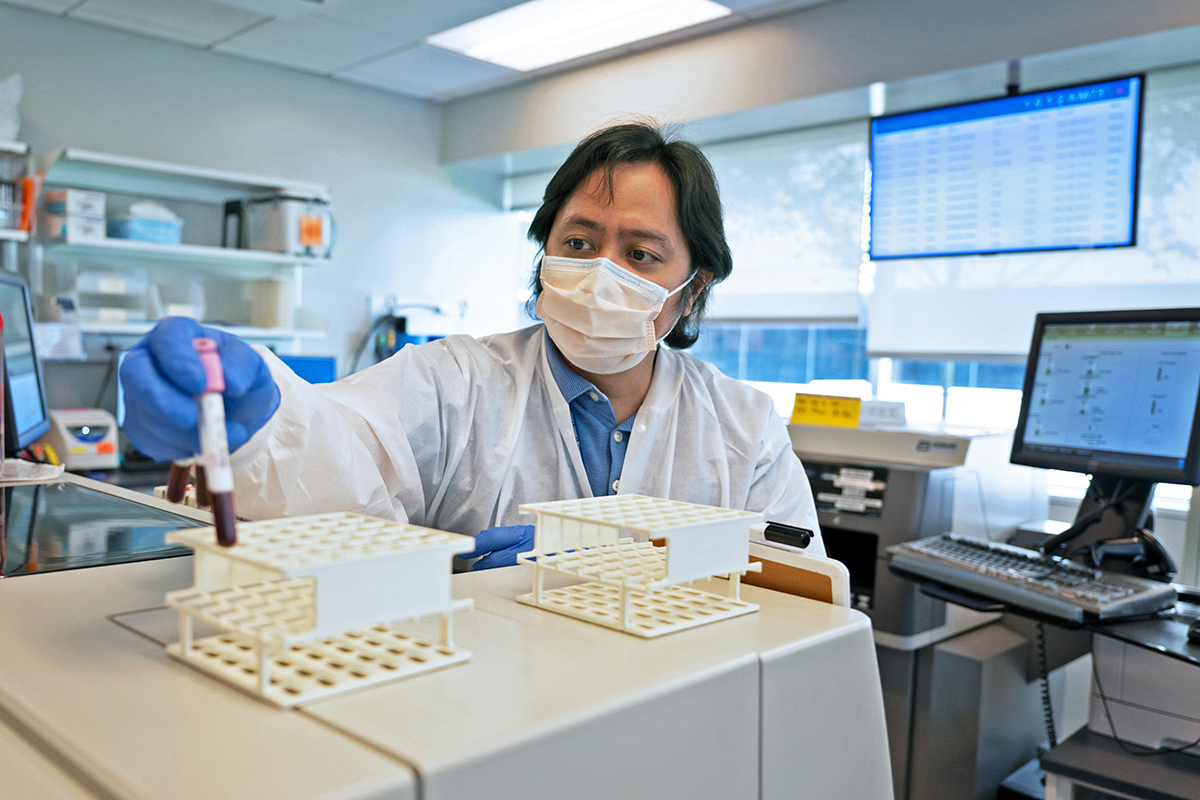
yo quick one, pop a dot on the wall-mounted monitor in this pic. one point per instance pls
(1047, 170)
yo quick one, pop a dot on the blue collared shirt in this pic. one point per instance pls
(602, 441)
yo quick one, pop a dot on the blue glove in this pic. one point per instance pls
(161, 376)
(499, 546)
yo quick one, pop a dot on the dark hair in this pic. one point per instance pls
(697, 204)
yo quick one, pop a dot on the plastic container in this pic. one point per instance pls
(139, 229)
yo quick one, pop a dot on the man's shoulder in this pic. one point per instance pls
(725, 391)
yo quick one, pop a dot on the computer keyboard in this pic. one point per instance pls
(1027, 579)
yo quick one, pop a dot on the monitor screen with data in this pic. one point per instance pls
(1046, 170)
(1114, 392)
(25, 415)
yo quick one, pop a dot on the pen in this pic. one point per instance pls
(214, 447)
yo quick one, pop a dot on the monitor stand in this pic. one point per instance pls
(1113, 508)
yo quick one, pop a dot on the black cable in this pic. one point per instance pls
(1144, 751)
(1047, 709)
(1082, 524)
(362, 345)
(114, 357)
(377, 324)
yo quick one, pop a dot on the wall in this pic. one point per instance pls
(836, 47)
(403, 227)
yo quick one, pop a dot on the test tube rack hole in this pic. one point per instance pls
(637, 586)
(303, 604)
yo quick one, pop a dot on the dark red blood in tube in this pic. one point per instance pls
(224, 519)
(177, 480)
(202, 497)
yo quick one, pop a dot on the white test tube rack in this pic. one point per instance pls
(304, 604)
(635, 581)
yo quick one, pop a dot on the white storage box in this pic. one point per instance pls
(73, 229)
(74, 203)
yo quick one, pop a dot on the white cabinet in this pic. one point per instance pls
(121, 286)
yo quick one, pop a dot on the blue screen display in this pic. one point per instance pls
(1040, 171)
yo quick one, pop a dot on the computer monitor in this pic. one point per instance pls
(26, 417)
(1116, 395)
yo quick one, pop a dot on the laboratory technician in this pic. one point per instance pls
(457, 433)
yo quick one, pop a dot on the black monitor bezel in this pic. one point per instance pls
(1188, 475)
(14, 443)
(1137, 171)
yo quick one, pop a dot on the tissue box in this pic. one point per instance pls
(157, 231)
(73, 229)
(74, 203)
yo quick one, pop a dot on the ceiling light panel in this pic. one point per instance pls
(545, 32)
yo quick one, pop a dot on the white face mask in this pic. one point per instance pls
(599, 315)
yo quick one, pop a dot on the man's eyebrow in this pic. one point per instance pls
(644, 234)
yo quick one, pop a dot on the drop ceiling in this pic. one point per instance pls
(374, 42)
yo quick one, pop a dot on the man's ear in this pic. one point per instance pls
(697, 286)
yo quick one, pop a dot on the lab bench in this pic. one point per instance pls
(780, 703)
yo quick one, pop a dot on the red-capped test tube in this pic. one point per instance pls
(214, 446)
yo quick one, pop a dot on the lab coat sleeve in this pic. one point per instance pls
(781, 487)
(370, 443)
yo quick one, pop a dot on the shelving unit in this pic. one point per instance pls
(12, 154)
(204, 191)
(305, 604)
(636, 586)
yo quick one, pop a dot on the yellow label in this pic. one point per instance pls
(77, 449)
(817, 409)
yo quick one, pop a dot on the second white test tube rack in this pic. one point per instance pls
(304, 604)
(636, 586)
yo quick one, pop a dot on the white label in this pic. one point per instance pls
(214, 444)
(111, 314)
(112, 285)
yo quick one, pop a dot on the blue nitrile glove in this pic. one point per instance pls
(161, 376)
(499, 546)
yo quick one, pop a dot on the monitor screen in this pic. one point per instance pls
(1047, 170)
(1114, 393)
(25, 414)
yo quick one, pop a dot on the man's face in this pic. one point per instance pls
(636, 227)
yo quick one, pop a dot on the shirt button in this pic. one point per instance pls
(594, 396)
(640, 427)
(617, 436)
(616, 485)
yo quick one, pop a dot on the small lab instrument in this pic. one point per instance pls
(1028, 579)
(280, 223)
(304, 604)
(84, 438)
(215, 479)
(636, 586)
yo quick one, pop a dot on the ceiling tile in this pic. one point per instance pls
(425, 71)
(55, 6)
(197, 22)
(311, 43)
(408, 20)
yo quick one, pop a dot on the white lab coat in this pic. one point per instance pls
(457, 433)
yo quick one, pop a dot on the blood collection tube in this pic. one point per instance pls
(177, 479)
(214, 446)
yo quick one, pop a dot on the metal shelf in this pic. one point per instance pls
(138, 176)
(127, 248)
(243, 331)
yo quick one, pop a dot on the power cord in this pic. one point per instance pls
(383, 320)
(114, 354)
(1141, 750)
(1044, 674)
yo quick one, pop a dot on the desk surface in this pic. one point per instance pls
(548, 703)
(1099, 761)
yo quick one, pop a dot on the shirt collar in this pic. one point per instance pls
(569, 383)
